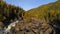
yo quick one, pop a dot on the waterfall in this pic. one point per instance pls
(10, 26)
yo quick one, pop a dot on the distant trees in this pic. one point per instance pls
(58, 0)
(49, 12)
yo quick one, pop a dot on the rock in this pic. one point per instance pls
(28, 32)
(1, 25)
(1, 33)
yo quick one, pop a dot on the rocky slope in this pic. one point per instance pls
(50, 16)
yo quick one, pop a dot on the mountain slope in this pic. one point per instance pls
(51, 10)
(49, 14)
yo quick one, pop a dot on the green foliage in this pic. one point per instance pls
(49, 12)
(8, 12)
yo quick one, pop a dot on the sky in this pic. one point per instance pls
(28, 4)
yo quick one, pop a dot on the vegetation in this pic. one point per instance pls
(9, 12)
(49, 12)
(45, 16)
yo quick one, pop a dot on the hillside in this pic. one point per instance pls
(49, 11)
(44, 19)
(49, 14)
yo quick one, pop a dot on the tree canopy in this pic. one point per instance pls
(8, 12)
